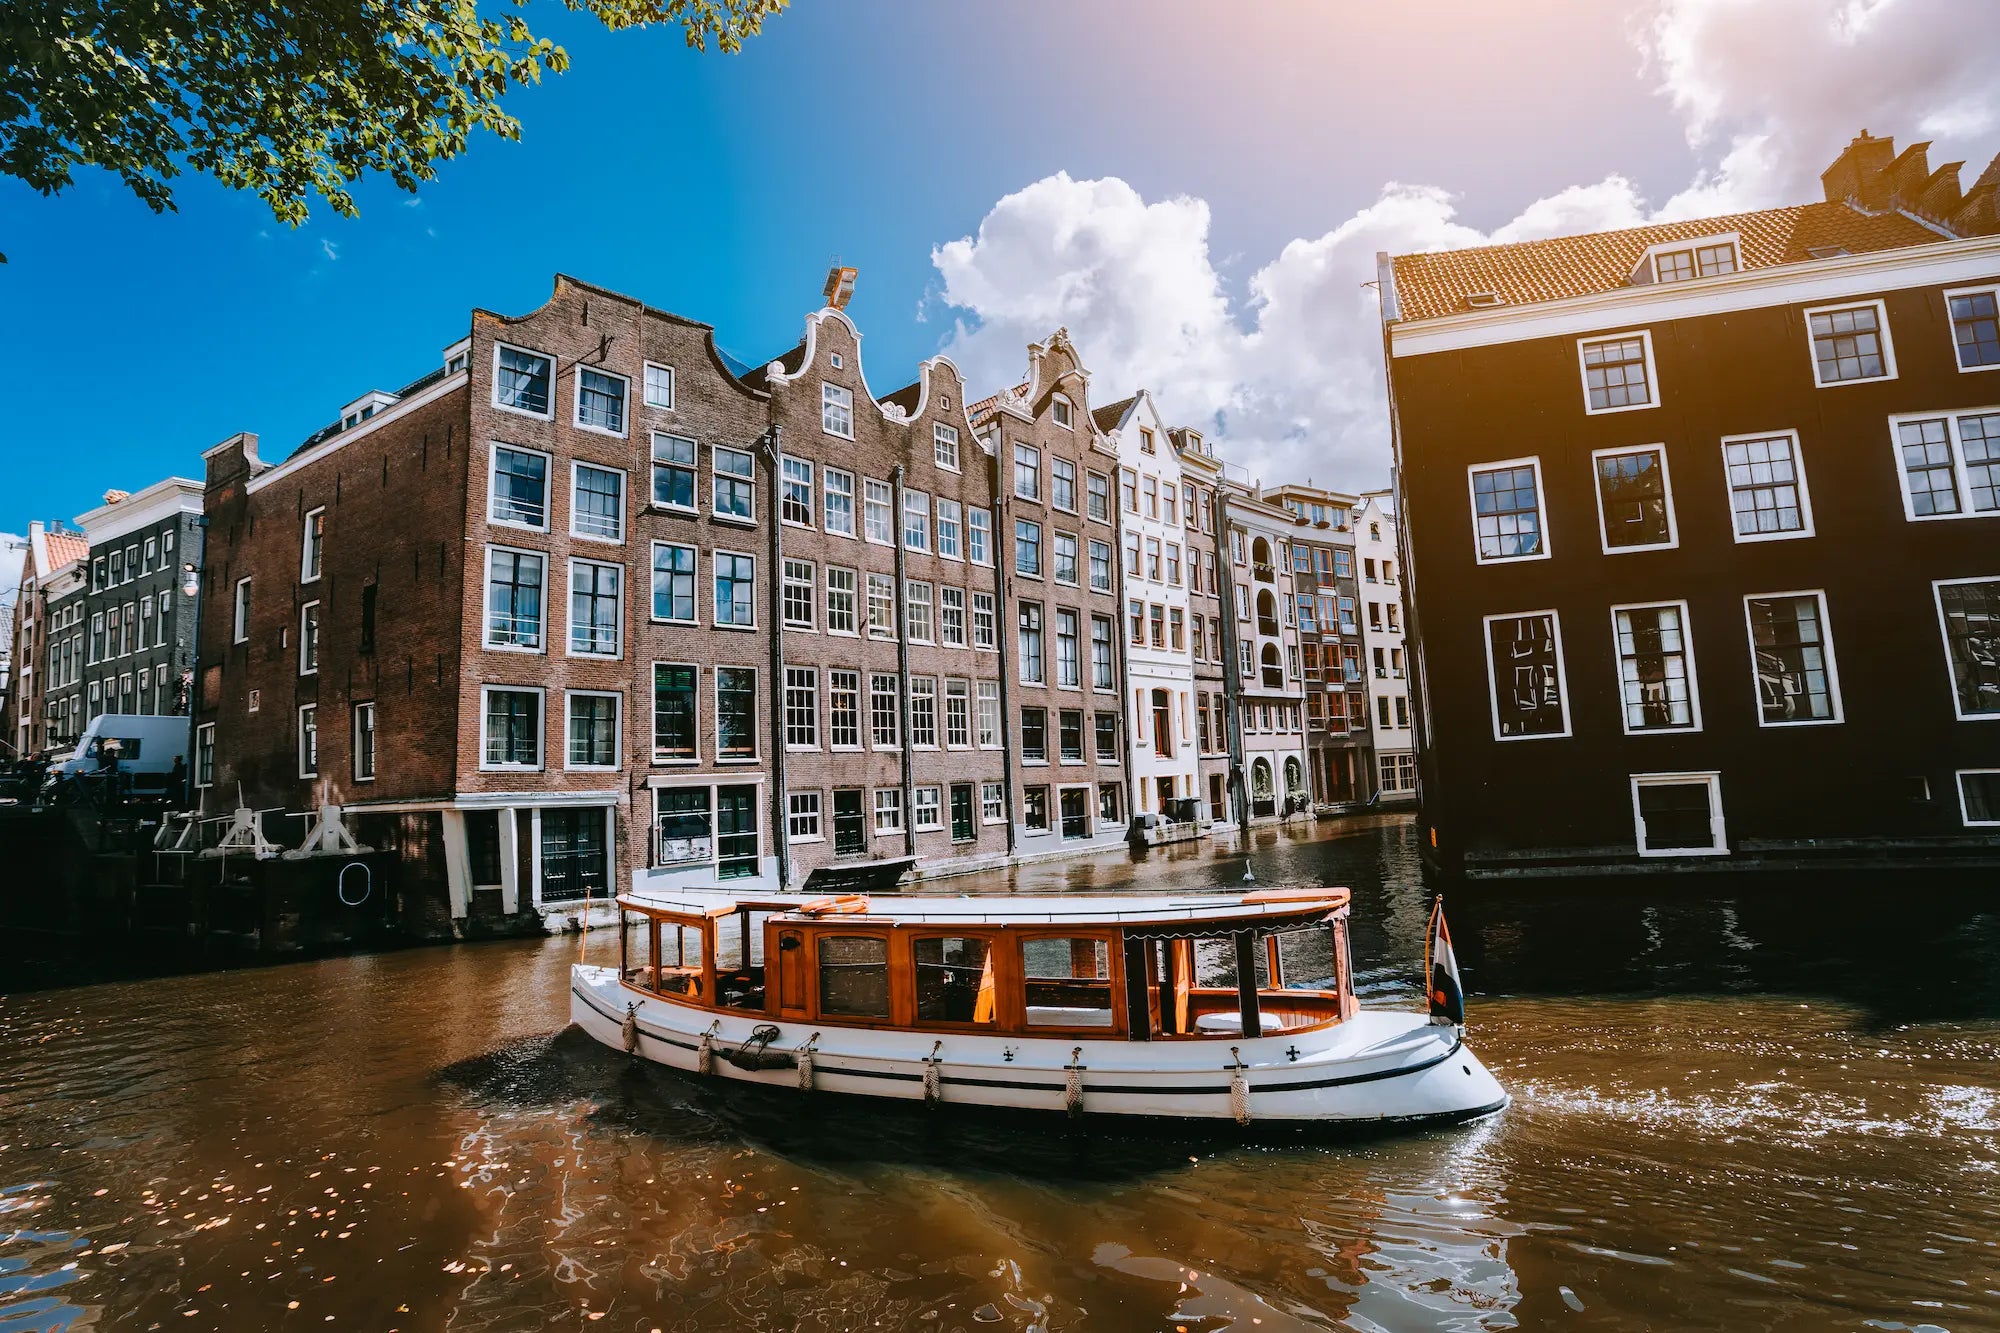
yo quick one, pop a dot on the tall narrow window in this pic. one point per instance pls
(1655, 669)
(957, 714)
(1027, 472)
(1066, 558)
(1027, 548)
(600, 401)
(1097, 488)
(673, 583)
(734, 476)
(596, 602)
(1617, 372)
(801, 708)
(923, 712)
(1634, 500)
(944, 445)
(917, 610)
(1793, 652)
(673, 471)
(520, 488)
(1969, 614)
(597, 503)
(884, 721)
(735, 713)
(308, 638)
(364, 743)
(675, 726)
(308, 740)
(979, 536)
(836, 410)
(735, 589)
(987, 697)
(1035, 735)
(1062, 484)
(796, 505)
(838, 502)
(949, 528)
(1032, 671)
(1101, 650)
(984, 625)
(659, 386)
(592, 730)
(916, 521)
(878, 505)
(1069, 648)
(313, 546)
(1767, 487)
(1524, 663)
(840, 601)
(513, 728)
(881, 606)
(1507, 511)
(801, 592)
(843, 709)
(514, 599)
(951, 617)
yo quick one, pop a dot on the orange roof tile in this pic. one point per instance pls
(65, 547)
(1432, 285)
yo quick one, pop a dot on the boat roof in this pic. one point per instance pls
(1259, 907)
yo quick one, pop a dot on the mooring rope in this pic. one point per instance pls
(630, 1028)
(1073, 1083)
(704, 1058)
(1239, 1088)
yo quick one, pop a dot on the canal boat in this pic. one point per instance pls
(1220, 1008)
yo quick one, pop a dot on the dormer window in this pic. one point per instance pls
(1483, 300)
(1683, 261)
(1062, 412)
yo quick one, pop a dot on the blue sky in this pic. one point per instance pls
(860, 131)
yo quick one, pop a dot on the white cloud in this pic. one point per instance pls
(1768, 91)
(329, 249)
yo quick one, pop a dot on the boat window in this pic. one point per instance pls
(674, 966)
(1068, 982)
(739, 960)
(1305, 959)
(854, 975)
(955, 979)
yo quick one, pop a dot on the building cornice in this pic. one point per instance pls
(1945, 263)
(175, 495)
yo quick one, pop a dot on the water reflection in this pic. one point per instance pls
(1733, 1112)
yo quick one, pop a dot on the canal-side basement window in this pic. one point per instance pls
(1975, 327)
(1655, 668)
(1969, 614)
(1792, 648)
(1635, 499)
(1979, 797)
(1949, 465)
(1617, 373)
(1767, 487)
(511, 727)
(1678, 814)
(1525, 674)
(1507, 511)
(1850, 344)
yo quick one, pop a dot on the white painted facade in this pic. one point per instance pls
(1385, 659)
(1159, 662)
(1271, 713)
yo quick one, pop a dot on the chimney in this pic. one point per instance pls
(1978, 214)
(1856, 174)
(839, 288)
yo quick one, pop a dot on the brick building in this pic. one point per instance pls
(1062, 653)
(1214, 724)
(1701, 534)
(44, 703)
(1339, 741)
(141, 620)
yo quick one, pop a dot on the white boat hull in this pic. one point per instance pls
(1377, 1069)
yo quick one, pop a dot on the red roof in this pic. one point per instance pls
(65, 547)
(1431, 285)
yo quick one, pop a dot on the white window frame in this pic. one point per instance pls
(1944, 645)
(1645, 337)
(576, 469)
(653, 715)
(1964, 812)
(694, 600)
(693, 468)
(312, 551)
(576, 401)
(826, 476)
(354, 741)
(494, 381)
(1826, 643)
(715, 621)
(617, 731)
(1882, 326)
(299, 740)
(985, 805)
(1988, 289)
(1618, 664)
(541, 741)
(857, 609)
(239, 611)
(1799, 477)
(942, 435)
(1960, 482)
(818, 815)
(485, 606)
(1717, 821)
(646, 386)
(758, 703)
(895, 519)
(917, 807)
(830, 395)
(304, 668)
(812, 493)
(204, 744)
(1562, 675)
(715, 490)
(893, 808)
(1062, 411)
(786, 584)
(1666, 486)
(1693, 245)
(569, 629)
(1532, 462)
(493, 449)
(811, 675)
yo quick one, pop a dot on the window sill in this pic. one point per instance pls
(689, 762)
(673, 511)
(733, 520)
(741, 629)
(514, 648)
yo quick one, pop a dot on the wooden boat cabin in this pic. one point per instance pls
(1143, 969)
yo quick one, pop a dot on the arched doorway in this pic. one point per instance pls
(1263, 801)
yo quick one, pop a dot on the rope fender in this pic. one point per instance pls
(933, 1080)
(805, 1061)
(629, 1029)
(1239, 1087)
(1073, 1083)
(704, 1057)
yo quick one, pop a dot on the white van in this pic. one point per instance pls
(147, 747)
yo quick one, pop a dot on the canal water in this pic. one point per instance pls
(1731, 1113)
